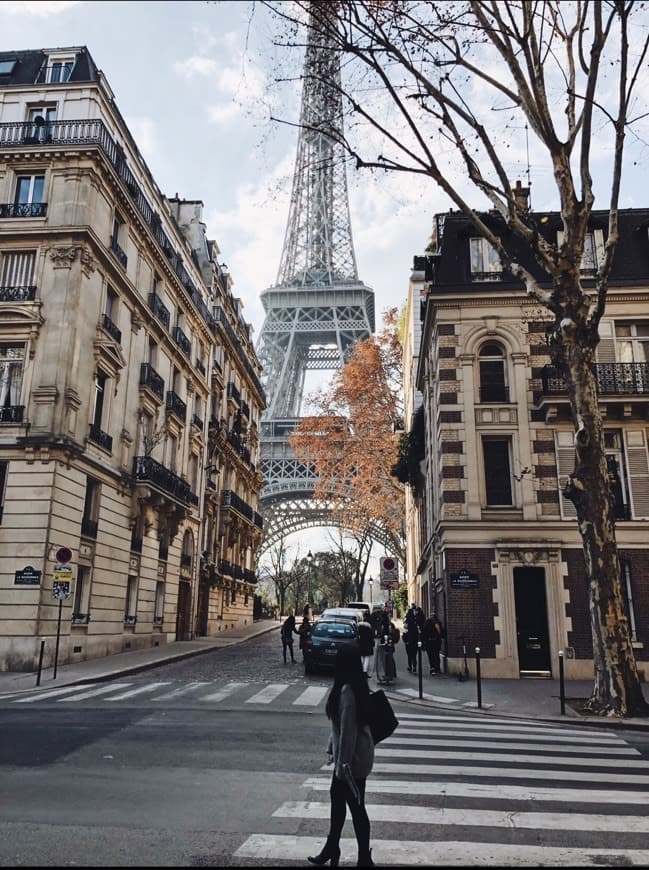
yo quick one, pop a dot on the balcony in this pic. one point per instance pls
(226, 568)
(111, 329)
(119, 253)
(175, 405)
(151, 379)
(12, 414)
(613, 379)
(17, 294)
(201, 367)
(197, 422)
(147, 470)
(230, 499)
(233, 393)
(182, 341)
(249, 576)
(103, 439)
(89, 528)
(159, 309)
(245, 410)
(23, 209)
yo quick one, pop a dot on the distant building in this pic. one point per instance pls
(129, 387)
(498, 552)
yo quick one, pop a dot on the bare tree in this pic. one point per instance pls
(280, 573)
(426, 86)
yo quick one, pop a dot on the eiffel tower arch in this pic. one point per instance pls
(317, 309)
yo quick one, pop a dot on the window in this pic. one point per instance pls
(188, 550)
(100, 395)
(112, 301)
(627, 595)
(7, 67)
(193, 472)
(59, 70)
(233, 594)
(4, 466)
(130, 602)
(493, 386)
(90, 508)
(152, 352)
(12, 358)
(81, 605)
(41, 119)
(172, 453)
(593, 252)
(163, 548)
(18, 271)
(485, 261)
(158, 607)
(497, 471)
(614, 450)
(632, 348)
(146, 434)
(30, 189)
(175, 381)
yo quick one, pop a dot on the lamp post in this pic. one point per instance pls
(309, 559)
(371, 582)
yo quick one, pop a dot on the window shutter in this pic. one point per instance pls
(638, 465)
(606, 348)
(18, 269)
(565, 448)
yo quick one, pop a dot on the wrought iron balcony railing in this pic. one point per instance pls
(249, 576)
(159, 309)
(100, 437)
(225, 567)
(119, 252)
(12, 414)
(182, 341)
(111, 329)
(230, 499)
(17, 294)
(233, 393)
(196, 420)
(23, 209)
(146, 469)
(613, 379)
(200, 366)
(89, 528)
(151, 379)
(175, 405)
(136, 543)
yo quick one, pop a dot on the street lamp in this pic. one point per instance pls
(371, 582)
(309, 559)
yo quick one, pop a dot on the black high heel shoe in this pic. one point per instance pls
(328, 854)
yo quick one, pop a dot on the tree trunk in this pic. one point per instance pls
(617, 690)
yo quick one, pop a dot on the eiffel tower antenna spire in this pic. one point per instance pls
(318, 308)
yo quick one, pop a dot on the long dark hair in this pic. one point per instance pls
(349, 670)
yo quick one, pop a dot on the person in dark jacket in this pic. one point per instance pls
(351, 751)
(431, 636)
(304, 631)
(411, 637)
(287, 631)
(366, 644)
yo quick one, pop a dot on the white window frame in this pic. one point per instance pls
(59, 62)
(11, 384)
(489, 260)
(81, 601)
(33, 177)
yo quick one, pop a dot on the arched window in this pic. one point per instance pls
(493, 381)
(188, 550)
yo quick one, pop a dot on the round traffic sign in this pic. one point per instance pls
(63, 555)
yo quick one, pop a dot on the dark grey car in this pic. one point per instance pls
(325, 639)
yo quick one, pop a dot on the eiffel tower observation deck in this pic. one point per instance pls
(318, 308)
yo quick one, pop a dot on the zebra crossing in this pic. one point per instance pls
(293, 694)
(460, 790)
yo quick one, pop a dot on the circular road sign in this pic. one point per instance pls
(63, 555)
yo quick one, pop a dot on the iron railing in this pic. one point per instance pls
(23, 209)
(119, 252)
(621, 379)
(175, 405)
(100, 437)
(111, 329)
(159, 309)
(17, 294)
(12, 414)
(145, 468)
(89, 528)
(182, 341)
(151, 379)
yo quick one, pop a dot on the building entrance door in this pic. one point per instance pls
(182, 615)
(532, 631)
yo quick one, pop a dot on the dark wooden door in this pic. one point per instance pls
(532, 630)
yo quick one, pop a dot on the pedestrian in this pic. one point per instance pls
(432, 636)
(287, 631)
(366, 644)
(304, 632)
(351, 751)
(411, 638)
(377, 621)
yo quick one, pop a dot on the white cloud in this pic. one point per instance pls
(196, 66)
(38, 8)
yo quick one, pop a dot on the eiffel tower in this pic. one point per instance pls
(318, 308)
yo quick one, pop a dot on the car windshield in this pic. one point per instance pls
(333, 629)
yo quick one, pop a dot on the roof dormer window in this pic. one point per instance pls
(7, 66)
(59, 69)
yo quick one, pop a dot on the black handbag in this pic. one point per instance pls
(382, 719)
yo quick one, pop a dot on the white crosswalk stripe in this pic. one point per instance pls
(311, 696)
(527, 794)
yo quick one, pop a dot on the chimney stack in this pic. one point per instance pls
(522, 196)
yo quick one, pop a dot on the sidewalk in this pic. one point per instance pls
(531, 699)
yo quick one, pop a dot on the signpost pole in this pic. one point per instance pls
(58, 635)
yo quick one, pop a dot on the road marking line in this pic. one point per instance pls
(182, 690)
(398, 739)
(505, 773)
(140, 690)
(524, 733)
(311, 696)
(455, 853)
(268, 693)
(101, 690)
(479, 818)
(489, 791)
(64, 690)
(225, 692)
(413, 693)
(505, 757)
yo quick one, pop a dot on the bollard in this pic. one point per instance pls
(40, 663)
(562, 692)
(477, 675)
(421, 689)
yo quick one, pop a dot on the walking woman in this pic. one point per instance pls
(351, 750)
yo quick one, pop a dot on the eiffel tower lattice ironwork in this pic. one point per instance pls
(318, 308)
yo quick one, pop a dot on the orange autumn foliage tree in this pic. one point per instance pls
(350, 441)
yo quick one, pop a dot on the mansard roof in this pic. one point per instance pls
(30, 64)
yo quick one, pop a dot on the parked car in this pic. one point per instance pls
(324, 641)
(344, 612)
(363, 606)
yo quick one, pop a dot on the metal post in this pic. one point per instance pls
(562, 692)
(58, 635)
(477, 675)
(40, 663)
(421, 688)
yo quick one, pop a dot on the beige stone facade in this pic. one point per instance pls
(130, 393)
